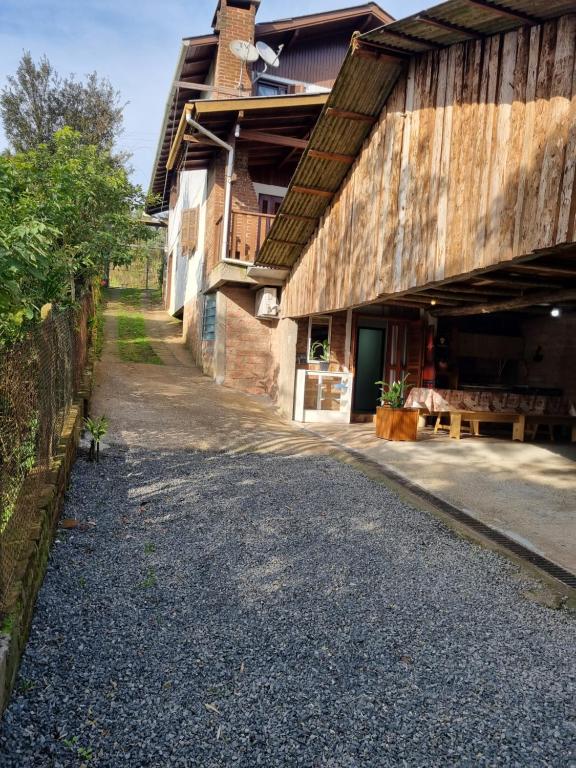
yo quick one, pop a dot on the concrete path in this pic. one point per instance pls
(238, 597)
(527, 491)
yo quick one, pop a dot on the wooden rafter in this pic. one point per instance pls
(272, 138)
(448, 26)
(544, 271)
(286, 242)
(370, 50)
(298, 217)
(188, 86)
(355, 116)
(191, 139)
(312, 191)
(455, 295)
(518, 15)
(337, 158)
(428, 44)
(528, 300)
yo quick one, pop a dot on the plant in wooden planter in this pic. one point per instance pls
(393, 421)
(320, 352)
(97, 428)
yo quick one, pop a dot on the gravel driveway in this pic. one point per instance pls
(243, 610)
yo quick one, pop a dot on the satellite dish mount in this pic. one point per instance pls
(244, 51)
(269, 56)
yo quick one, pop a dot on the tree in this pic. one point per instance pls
(66, 210)
(37, 102)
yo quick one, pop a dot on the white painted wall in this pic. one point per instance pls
(186, 269)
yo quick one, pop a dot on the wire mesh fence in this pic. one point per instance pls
(143, 272)
(39, 379)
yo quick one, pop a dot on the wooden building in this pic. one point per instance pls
(430, 226)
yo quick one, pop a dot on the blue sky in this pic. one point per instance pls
(134, 44)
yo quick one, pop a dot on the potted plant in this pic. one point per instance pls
(320, 352)
(393, 421)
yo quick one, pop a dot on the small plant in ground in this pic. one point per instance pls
(7, 625)
(150, 579)
(392, 394)
(149, 548)
(82, 582)
(84, 753)
(97, 428)
(26, 685)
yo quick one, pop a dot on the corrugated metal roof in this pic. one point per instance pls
(371, 68)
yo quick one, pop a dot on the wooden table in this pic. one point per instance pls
(518, 421)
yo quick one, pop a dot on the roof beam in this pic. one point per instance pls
(272, 138)
(512, 282)
(369, 50)
(186, 86)
(298, 217)
(447, 26)
(285, 242)
(359, 117)
(337, 158)
(545, 271)
(312, 191)
(528, 300)
(518, 15)
(188, 137)
(428, 44)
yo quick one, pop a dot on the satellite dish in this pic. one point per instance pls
(269, 55)
(244, 50)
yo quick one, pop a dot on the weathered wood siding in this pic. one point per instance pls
(471, 163)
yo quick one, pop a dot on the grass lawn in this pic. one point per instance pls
(133, 343)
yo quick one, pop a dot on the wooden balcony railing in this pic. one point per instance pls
(248, 230)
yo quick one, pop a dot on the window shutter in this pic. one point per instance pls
(189, 230)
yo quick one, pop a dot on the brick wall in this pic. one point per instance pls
(233, 23)
(250, 364)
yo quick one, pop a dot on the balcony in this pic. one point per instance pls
(248, 230)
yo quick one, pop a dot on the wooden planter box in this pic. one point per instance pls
(396, 423)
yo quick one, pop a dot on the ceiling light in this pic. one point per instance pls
(555, 312)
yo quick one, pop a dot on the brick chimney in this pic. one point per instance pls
(234, 20)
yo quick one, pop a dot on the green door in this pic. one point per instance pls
(369, 366)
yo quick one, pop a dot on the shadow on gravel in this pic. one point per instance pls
(239, 609)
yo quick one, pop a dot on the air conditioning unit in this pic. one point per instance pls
(267, 303)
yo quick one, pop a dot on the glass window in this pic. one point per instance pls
(319, 339)
(266, 88)
(209, 318)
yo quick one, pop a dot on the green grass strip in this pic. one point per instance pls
(133, 344)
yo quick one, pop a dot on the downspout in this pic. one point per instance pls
(227, 179)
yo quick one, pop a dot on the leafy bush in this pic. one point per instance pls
(67, 210)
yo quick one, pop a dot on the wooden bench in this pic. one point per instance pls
(535, 420)
(475, 418)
